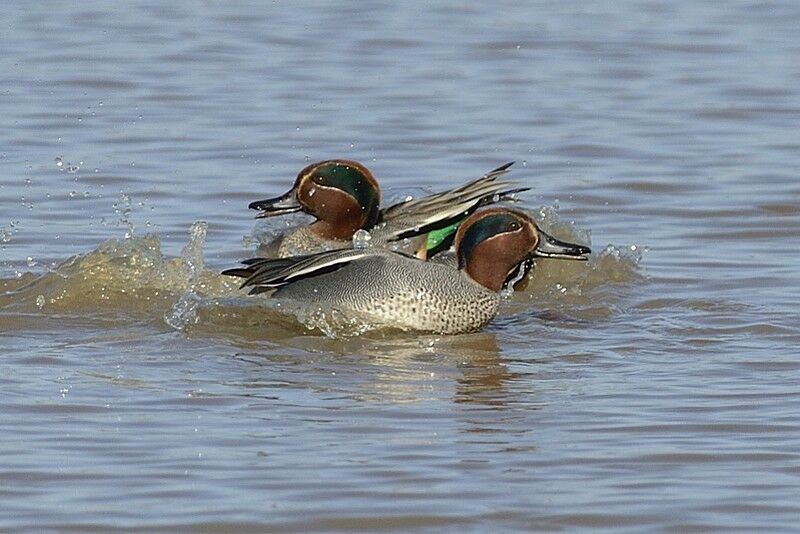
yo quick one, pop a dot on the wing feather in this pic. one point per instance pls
(265, 274)
(434, 212)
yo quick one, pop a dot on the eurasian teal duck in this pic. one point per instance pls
(344, 197)
(495, 248)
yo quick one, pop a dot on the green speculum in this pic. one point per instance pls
(437, 238)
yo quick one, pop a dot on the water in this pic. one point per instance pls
(654, 389)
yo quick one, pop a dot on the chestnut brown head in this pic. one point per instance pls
(493, 246)
(342, 195)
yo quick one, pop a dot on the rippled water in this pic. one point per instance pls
(653, 389)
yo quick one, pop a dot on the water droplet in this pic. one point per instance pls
(73, 194)
(312, 191)
(362, 240)
(30, 261)
(59, 159)
(40, 301)
(27, 181)
(72, 169)
(428, 345)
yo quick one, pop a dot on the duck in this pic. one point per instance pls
(495, 248)
(344, 198)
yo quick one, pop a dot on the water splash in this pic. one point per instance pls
(184, 311)
(192, 253)
(331, 322)
(7, 232)
(122, 207)
(131, 278)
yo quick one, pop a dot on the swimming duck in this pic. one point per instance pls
(495, 248)
(344, 197)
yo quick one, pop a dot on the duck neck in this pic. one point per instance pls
(336, 230)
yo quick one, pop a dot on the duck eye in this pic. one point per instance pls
(514, 226)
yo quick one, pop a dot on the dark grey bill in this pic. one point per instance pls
(550, 247)
(270, 207)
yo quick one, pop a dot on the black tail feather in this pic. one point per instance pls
(241, 273)
(502, 168)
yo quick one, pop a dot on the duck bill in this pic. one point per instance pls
(550, 247)
(281, 205)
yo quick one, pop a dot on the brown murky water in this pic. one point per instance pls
(653, 389)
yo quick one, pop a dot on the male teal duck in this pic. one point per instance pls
(344, 197)
(495, 248)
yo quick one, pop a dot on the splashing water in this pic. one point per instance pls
(131, 277)
(184, 311)
(331, 322)
(192, 253)
(122, 207)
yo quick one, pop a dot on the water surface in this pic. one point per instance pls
(653, 389)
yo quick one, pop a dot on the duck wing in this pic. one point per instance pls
(265, 274)
(435, 212)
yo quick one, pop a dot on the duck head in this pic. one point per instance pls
(342, 195)
(496, 247)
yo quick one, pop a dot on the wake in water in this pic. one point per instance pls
(132, 278)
